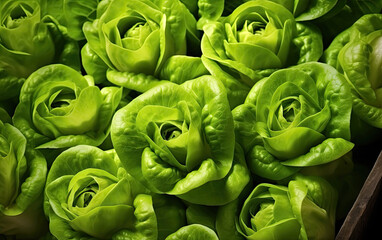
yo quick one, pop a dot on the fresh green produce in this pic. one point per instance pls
(77, 12)
(186, 119)
(90, 196)
(179, 140)
(310, 10)
(258, 38)
(60, 108)
(209, 10)
(138, 38)
(29, 41)
(193, 232)
(296, 118)
(305, 209)
(22, 179)
(356, 53)
(339, 20)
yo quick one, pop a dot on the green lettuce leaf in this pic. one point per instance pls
(179, 140)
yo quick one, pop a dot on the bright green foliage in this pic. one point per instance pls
(29, 41)
(305, 209)
(77, 12)
(138, 37)
(193, 232)
(206, 11)
(93, 64)
(179, 140)
(175, 119)
(296, 118)
(74, 13)
(227, 219)
(306, 10)
(21, 51)
(209, 10)
(356, 53)
(90, 196)
(252, 42)
(22, 180)
(60, 108)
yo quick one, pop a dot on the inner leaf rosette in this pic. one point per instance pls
(28, 41)
(256, 39)
(136, 38)
(179, 140)
(297, 118)
(304, 209)
(89, 195)
(22, 181)
(60, 108)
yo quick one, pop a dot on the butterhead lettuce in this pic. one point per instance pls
(136, 38)
(60, 108)
(179, 140)
(296, 118)
(256, 39)
(28, 41)
(356, 54)
(22, 180)
(88, 195)
(305, 209)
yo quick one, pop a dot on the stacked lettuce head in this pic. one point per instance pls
(179, 140)
(22, 181)
(356, 53)
(186, 119)
(89, 195)
(256, 39)
(60, 108)
(296, 119)
(309, 10)
(29, 41)
(305, 209)
(135, 40)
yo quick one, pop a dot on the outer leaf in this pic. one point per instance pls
(10, 85)
(263, 164)
(22, 181)
(308, 33)
(209, 10)
(194, 231)
(76, 13)
(179, 69)
(93, 64)
(199, 214)
(29, 170)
